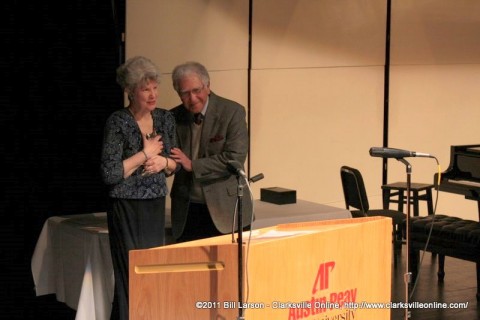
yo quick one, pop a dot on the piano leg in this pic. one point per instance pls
(478, 203)
(429, 201)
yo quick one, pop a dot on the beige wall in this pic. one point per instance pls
(317, 82)
(213, 32)
(434, 87)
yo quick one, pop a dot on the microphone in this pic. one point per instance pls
(257, 177)
(236, 168)
(396, 153)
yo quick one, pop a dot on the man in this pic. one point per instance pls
(211, 131)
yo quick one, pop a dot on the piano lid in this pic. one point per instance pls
(463, 173)
(473, 149)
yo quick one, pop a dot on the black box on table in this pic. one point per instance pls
(278, 195)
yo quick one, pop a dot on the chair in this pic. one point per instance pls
(356, 197)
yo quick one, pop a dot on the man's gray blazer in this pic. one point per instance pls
(224, 137)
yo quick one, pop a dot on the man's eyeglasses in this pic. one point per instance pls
(195, 92)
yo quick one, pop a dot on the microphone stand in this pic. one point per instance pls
(240, 236)
(408, 275)
(240, 247)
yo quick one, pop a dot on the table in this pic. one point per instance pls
(270, 214)
(399, 189)
(72, 256)
(72, 260)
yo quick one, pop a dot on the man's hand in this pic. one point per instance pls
(180, 158)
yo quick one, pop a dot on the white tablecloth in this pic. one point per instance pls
(72, 260)
(72, 256)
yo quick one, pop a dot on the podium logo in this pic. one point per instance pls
(325, 303)
(321, 281)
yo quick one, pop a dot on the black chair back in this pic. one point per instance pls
(354, 189)
(356, 197)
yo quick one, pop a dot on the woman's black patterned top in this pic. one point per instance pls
(122, 139)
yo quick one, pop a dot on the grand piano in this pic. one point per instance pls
(463, 173)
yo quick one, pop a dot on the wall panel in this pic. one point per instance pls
(328, 33)
(213, 32)
(435, 32)
(434, 107)
(306, 123)
(317, 67)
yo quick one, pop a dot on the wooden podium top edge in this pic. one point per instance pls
(310, 225)
(321, 223)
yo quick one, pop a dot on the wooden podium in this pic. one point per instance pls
(313, 270)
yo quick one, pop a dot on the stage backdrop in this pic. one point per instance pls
(317, 82)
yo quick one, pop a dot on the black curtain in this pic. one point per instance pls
(58, 65)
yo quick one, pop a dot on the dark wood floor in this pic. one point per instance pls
(459, 286)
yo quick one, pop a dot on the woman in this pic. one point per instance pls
(135, 161)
